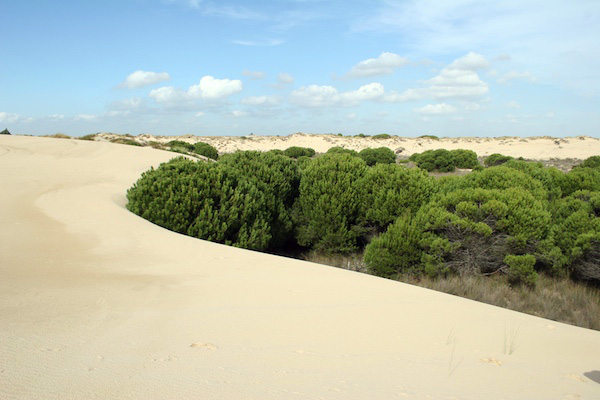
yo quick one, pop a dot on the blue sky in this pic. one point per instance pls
(170, 67)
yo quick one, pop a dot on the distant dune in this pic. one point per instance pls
(535, 148)
(97, 303)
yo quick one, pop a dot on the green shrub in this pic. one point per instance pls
(551, 178)
(328, 206)
(206, 150)
(339, 149)
(391, 190)
(521, 269)
(440, 160)
(432, 137)
(91, 137)
(576, 231)
(5, 132)
(361, 135)
(496, 159)
(381, 155)
(382, 136)
(127, 141)
(590, 162)
(468, 231)
(277, 177)
(211, 201)
(464, 158)
(396, 251)
(181, 146)
(581, 179)
(297, 151)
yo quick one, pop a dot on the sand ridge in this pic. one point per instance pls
(535, 148)
(97, 303)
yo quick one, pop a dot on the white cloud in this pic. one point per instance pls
(11, 118)
(86, 117)
(283, 80)
(351, 116)
(512, 75)
(56, 117)
(436, 109)
(253, 74)
(140, 79)
(262, 101)
(327, 96)
(513, 104)
(472, 62)
(199, 114)
(211, 88)
(382, 65)
(167, 95)
(239, 113)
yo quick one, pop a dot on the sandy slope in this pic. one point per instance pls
(96, 303)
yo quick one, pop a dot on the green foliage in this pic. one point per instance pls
(328, 206)
(440, 160)
(397, 250)
(433, 137)
(590, 162)
(391, 190)
(206, 150)
(582, 178)
(127, 141)
(5, 132)
(443, 160)
(211, 201)
(180, 146)
(464, 158)
(496, 159)
(277, 178)
(339, 149)
(382, 136)
(521, 269)
(381, 155)
(551, 178)
(468, 231)
(91, 137)
(297, 152)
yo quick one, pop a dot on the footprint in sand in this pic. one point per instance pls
(577, 378)
(492, 361)
(208, 346)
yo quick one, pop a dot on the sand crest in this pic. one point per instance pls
(97, 303)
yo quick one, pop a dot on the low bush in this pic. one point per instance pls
(434, 160)
(206, 150)
(381, 155)
(382, 136)
(181, 146)
(91, 137)
(496, 159)
(590, 162)
(339, 149)
(297, 152)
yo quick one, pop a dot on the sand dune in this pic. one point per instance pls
(539, 148)
(97, 303)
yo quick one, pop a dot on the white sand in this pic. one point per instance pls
(96, 303)
(580, 147)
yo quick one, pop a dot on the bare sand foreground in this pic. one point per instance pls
(96, 303)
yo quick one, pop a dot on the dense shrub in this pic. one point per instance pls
(468, 231)
(590, 162)
(211, 201)
(297, 151)
(464, 158)
(206, 150)
(339, 149)
(5, 132)
(581, 179)
(382, 136)
(91, 137)
(496, 159)
(381, 155)
(551, 178)
(434, 160)
(391, 190)
(328, 206)
(277, 177)
(181, 146)
(576, 231)
(432, 137)
(443, 160)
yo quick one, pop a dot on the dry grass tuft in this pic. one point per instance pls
(557, 299)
